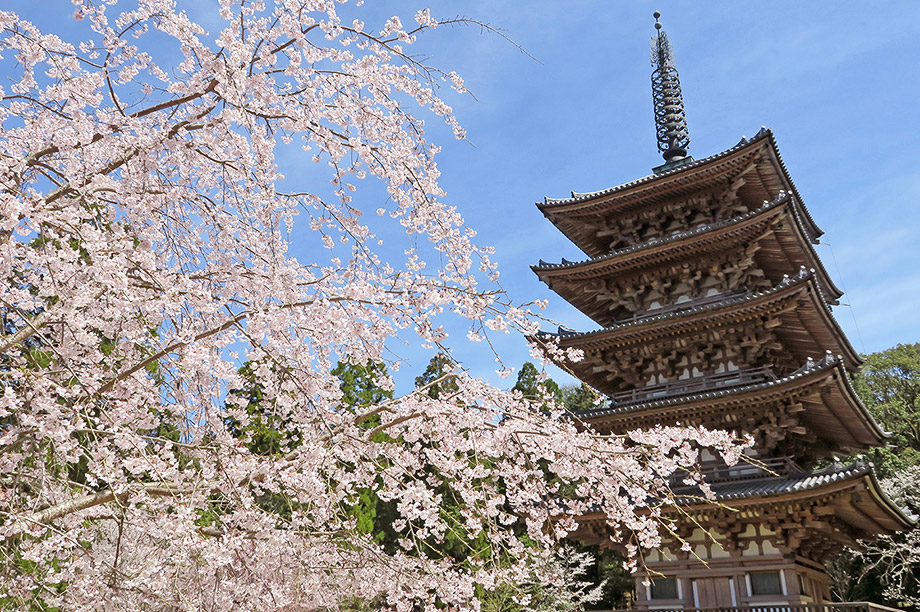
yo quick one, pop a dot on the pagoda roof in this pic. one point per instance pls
(811, 314)
(839, 415)
(787, 483)
(875, 513)
(851, 493)
(736, 232)
(760, 155)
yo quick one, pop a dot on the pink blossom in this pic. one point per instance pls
(145, 235)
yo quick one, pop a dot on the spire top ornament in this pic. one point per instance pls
(670, 118)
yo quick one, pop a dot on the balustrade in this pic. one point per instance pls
(857, 606)
(696, 384)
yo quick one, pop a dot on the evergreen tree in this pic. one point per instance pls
(889, 385)
(438, 369)
(578, 398)
(263, 430)
(360, 383)
(887, 570)
(529, 383)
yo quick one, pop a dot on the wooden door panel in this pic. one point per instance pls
(712, 593)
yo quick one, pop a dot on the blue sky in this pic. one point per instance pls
(838, 82)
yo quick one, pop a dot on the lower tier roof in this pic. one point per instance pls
(812, 513)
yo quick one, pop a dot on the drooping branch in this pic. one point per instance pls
(31, 327)
(43, 517)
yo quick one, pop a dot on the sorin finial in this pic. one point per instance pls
(670, 119)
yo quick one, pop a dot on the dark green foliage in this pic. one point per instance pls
(374, 517)
(889, 384)
(438, 368)
(619, 588)
(266, 432)
(530, 385)
(578, 398)
(361, 389)
(359, 383)
(14, 561)
(851, 579)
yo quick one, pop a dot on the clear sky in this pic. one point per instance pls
(837, 81)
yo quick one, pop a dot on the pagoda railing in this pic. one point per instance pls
(677, 306)
(745, 469)
(857, 606)
(697, 384)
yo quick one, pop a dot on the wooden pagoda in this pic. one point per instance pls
(715, 310)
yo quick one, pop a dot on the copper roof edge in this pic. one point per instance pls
(805, 373)
(763, 134)
(676, 237)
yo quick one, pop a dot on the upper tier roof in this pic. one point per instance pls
(759, 155)
(732, 233)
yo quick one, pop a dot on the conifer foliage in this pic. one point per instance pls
(887, 570)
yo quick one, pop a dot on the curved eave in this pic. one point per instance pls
(812, 312)
(843, 347)
(609, 201)
(720, 236)
(768, 391)
(846, 389)
(906, 521)
(831, 290)
(662, 249)
(813, 230)
(840, 488)
(841, 417)
(874, 514)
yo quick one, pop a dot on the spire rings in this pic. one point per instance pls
(670, 117)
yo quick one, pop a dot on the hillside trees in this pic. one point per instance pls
(536, 387)
(147, 236)
(889, 385)
(437, 381)
(895, 560)
(577, 398)
(888, 569)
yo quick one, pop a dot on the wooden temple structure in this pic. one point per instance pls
(714, 309)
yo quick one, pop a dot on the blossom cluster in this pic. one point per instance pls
(146, 237)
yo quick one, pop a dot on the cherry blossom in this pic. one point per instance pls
(153, 244)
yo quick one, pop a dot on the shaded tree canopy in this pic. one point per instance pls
(889, 385)
(361, 384)
(534, 386)
(888, 569)
(437, 380)
(578, 398)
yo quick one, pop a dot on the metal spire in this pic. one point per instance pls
(670, 119)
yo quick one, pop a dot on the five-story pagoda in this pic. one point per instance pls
(715, 310)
